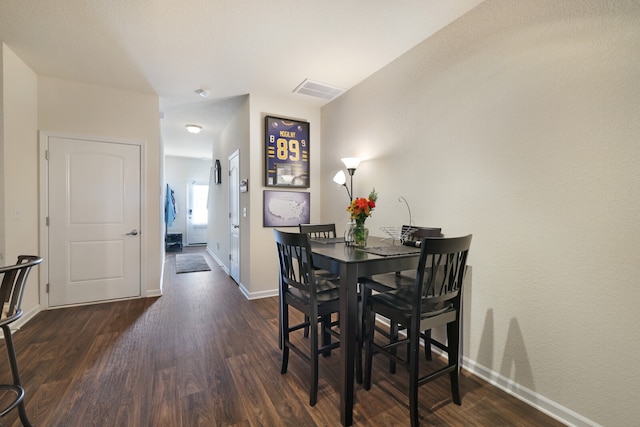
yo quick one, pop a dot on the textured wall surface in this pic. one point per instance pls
(520, 123)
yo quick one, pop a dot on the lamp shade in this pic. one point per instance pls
(351, 162)
(340, 178)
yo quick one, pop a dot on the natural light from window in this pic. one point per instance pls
(199, 201)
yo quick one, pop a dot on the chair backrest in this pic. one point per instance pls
(14, 279)
(441, 271)
(412, 233)
(324, 231)
(296, 264)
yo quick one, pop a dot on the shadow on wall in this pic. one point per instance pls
(515, 372)
(515, 360)
(485, 349)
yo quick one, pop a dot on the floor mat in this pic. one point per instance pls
(188, 263)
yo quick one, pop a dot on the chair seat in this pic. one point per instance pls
(399, 304)
(327, 291)
(388, 282)
(324, 285)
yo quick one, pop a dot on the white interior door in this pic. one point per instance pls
(94, 220)
(234, 216)
(197, 214)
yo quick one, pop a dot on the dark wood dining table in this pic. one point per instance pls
(350, 263)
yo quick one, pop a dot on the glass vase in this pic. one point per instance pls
(360, 235)
(348, 233)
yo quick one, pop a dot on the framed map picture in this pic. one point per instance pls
(286, 208)
(286, 152)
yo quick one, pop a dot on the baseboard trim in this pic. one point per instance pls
(257, 295)
(530, 397)
(248, 295)
(218, 261)
(26, 316)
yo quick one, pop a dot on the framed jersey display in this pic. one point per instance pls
(286, 152)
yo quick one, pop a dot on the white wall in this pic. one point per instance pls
(245, 132)
(179, 172)
(262, 278)
(520, 123)
(19, 167)
(94, 111)
(235, 136)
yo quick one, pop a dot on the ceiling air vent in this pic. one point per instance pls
(319, 90)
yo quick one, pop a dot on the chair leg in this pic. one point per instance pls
(313, 342)
(393, 337)
(306, 328)
(280, 315)
(360, 341)
(453, 338)
(414, 358)
(427, 345)
(284, 333)
(368, 353)
(13, 364)
(326, 336)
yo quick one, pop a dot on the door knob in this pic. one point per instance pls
(133, 232)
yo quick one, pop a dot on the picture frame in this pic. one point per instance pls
(287, 155)
(286, 208)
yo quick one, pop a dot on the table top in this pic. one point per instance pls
(339, 253)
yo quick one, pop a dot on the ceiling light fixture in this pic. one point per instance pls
(193, 129)
(203, 93)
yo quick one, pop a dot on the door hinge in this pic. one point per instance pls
(46, 154)
(229, 257)
(46, 221)
(47, 288)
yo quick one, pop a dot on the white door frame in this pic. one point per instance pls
(234, 188)
(44, 208)
(188, 226)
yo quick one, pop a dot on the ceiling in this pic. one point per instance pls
(229, 47)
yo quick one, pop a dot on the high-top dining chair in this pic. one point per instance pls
(433, 300)
(411, 236)
(317, 298)
(14, 279)
(321, 231)
(328, 231)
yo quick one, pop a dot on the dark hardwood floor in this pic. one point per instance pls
(202, 355)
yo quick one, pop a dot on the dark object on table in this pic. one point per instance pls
(411, 234)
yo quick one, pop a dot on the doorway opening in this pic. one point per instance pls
(197, 213)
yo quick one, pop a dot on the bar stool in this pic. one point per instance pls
(14, 278)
